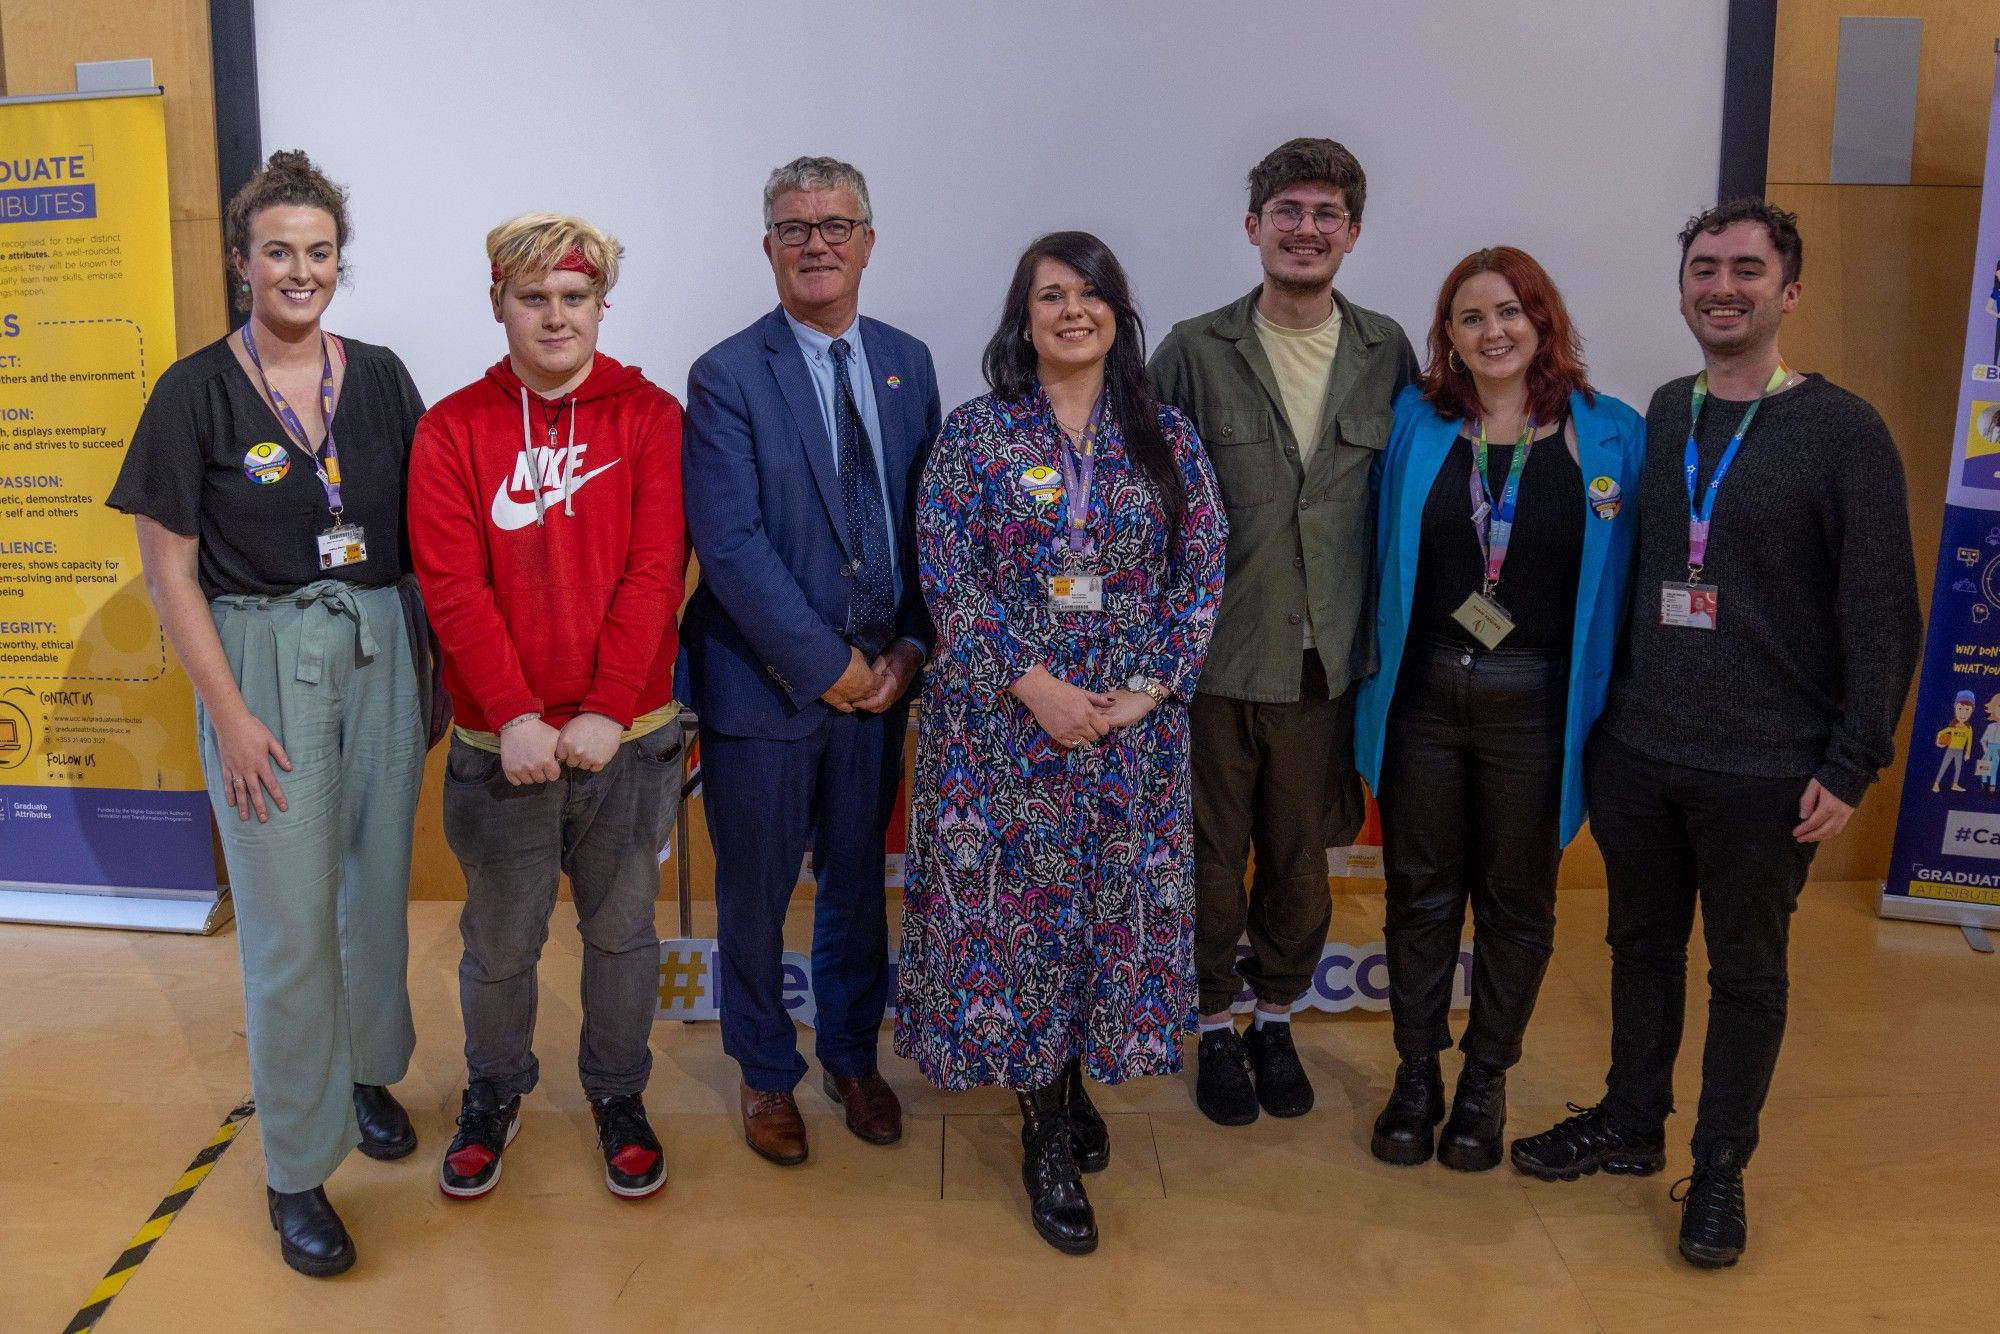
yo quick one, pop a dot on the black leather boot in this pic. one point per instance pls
(386, 1132)
(1060, 1209)
(310, 1234)
(1416, 1103)
(1470, 1140)
(1089, 1137)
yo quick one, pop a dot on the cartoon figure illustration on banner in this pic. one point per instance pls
(1993, 309)
(1987, 771)
(1956, 741)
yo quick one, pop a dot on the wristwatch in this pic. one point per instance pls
(1146, 685)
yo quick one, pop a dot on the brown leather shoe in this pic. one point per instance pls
(872, 1110)
(772, 1126)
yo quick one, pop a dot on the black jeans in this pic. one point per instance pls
(1471, 793)
(1672, 835)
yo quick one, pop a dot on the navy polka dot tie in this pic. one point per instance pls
(871, 611)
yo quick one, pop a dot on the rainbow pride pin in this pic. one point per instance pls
(894, 382)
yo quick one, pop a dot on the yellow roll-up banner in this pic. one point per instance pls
(100, 784)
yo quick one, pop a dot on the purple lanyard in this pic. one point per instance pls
(1079, 465)
(1494, 519)
(326, 463)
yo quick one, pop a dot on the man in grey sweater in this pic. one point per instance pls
(1771, 641)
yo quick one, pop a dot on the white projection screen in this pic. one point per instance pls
(1585, 132)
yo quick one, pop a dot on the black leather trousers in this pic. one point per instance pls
(1471, 794)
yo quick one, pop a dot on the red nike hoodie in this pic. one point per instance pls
(551, 545)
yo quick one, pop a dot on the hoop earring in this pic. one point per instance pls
(1025, 337)
(1451, 360)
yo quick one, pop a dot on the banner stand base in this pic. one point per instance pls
(196, 916)
(1974, 919)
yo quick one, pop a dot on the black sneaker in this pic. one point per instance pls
(1713, 1227)
(486, 1126)
(634, 1167)
(1586, 1142)
(1282, 1086)
(1223, 1089)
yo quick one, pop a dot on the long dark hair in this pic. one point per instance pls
(1010, 361)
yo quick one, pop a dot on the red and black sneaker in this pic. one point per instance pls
(634, 1167)
(486, 1126)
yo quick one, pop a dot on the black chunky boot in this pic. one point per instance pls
(1060, 1209)
(1416, 1103)
(386, 1132)
(1714, 1228)
(310, 1234)
(1470, 1140)
(1089, 1137)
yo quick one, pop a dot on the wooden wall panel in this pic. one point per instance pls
(44, 40)
(1954, 76)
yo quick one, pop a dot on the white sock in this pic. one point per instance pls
(1217, 1025)
(1264, 1017)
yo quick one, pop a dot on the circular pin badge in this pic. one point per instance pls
(1042, 482)
(266, 463)
(894, 382)
(1605, 499)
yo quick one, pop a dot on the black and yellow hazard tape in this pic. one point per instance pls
(141, 1245)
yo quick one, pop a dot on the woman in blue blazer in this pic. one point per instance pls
(1504, 548)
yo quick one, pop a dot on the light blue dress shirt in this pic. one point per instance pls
(818, 350)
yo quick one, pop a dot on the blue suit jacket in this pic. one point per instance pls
(1610, 443)
(763, 636)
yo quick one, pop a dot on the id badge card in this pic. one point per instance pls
(1484, 619)
(342, 544)
(1076, 592)
(1691, 605)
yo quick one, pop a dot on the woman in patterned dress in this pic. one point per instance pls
(1071, 539)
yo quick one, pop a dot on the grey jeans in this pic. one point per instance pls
(604, 830)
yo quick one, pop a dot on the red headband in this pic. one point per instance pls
(573, 262)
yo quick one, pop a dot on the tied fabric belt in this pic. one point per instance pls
(320, 633)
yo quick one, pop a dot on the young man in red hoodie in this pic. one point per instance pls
(545, 518)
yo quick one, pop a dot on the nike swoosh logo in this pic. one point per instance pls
(509, 514)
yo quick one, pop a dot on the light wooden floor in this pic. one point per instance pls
(1872, 1201)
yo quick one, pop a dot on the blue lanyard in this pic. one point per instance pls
(1701, 516)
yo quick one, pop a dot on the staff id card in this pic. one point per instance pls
(343, 544)
(1693, 606)
(1484, 619)
(1076, 592)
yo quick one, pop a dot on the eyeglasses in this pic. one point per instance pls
(834, 231)
(1287, 217)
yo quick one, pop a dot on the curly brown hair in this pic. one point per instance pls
(1309, 161)
(287, 179)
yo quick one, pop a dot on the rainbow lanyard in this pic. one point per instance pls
(1494, 520)
(326, 463)
(1700, 518)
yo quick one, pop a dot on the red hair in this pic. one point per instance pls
(1558, 365)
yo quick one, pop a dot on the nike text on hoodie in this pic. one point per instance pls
(551, 545)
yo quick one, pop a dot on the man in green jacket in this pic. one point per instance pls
(1291, 388)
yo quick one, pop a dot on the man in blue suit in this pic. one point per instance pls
(805, 437)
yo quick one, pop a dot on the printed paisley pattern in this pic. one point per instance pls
(1048, 908)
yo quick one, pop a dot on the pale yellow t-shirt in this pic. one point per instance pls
(1302, 359)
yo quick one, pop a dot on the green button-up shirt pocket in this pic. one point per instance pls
(1242, 447)
(1340, 478)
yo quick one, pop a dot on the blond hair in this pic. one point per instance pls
(530, 247)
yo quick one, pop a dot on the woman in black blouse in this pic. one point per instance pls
(266, 480)
(1504, 546)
